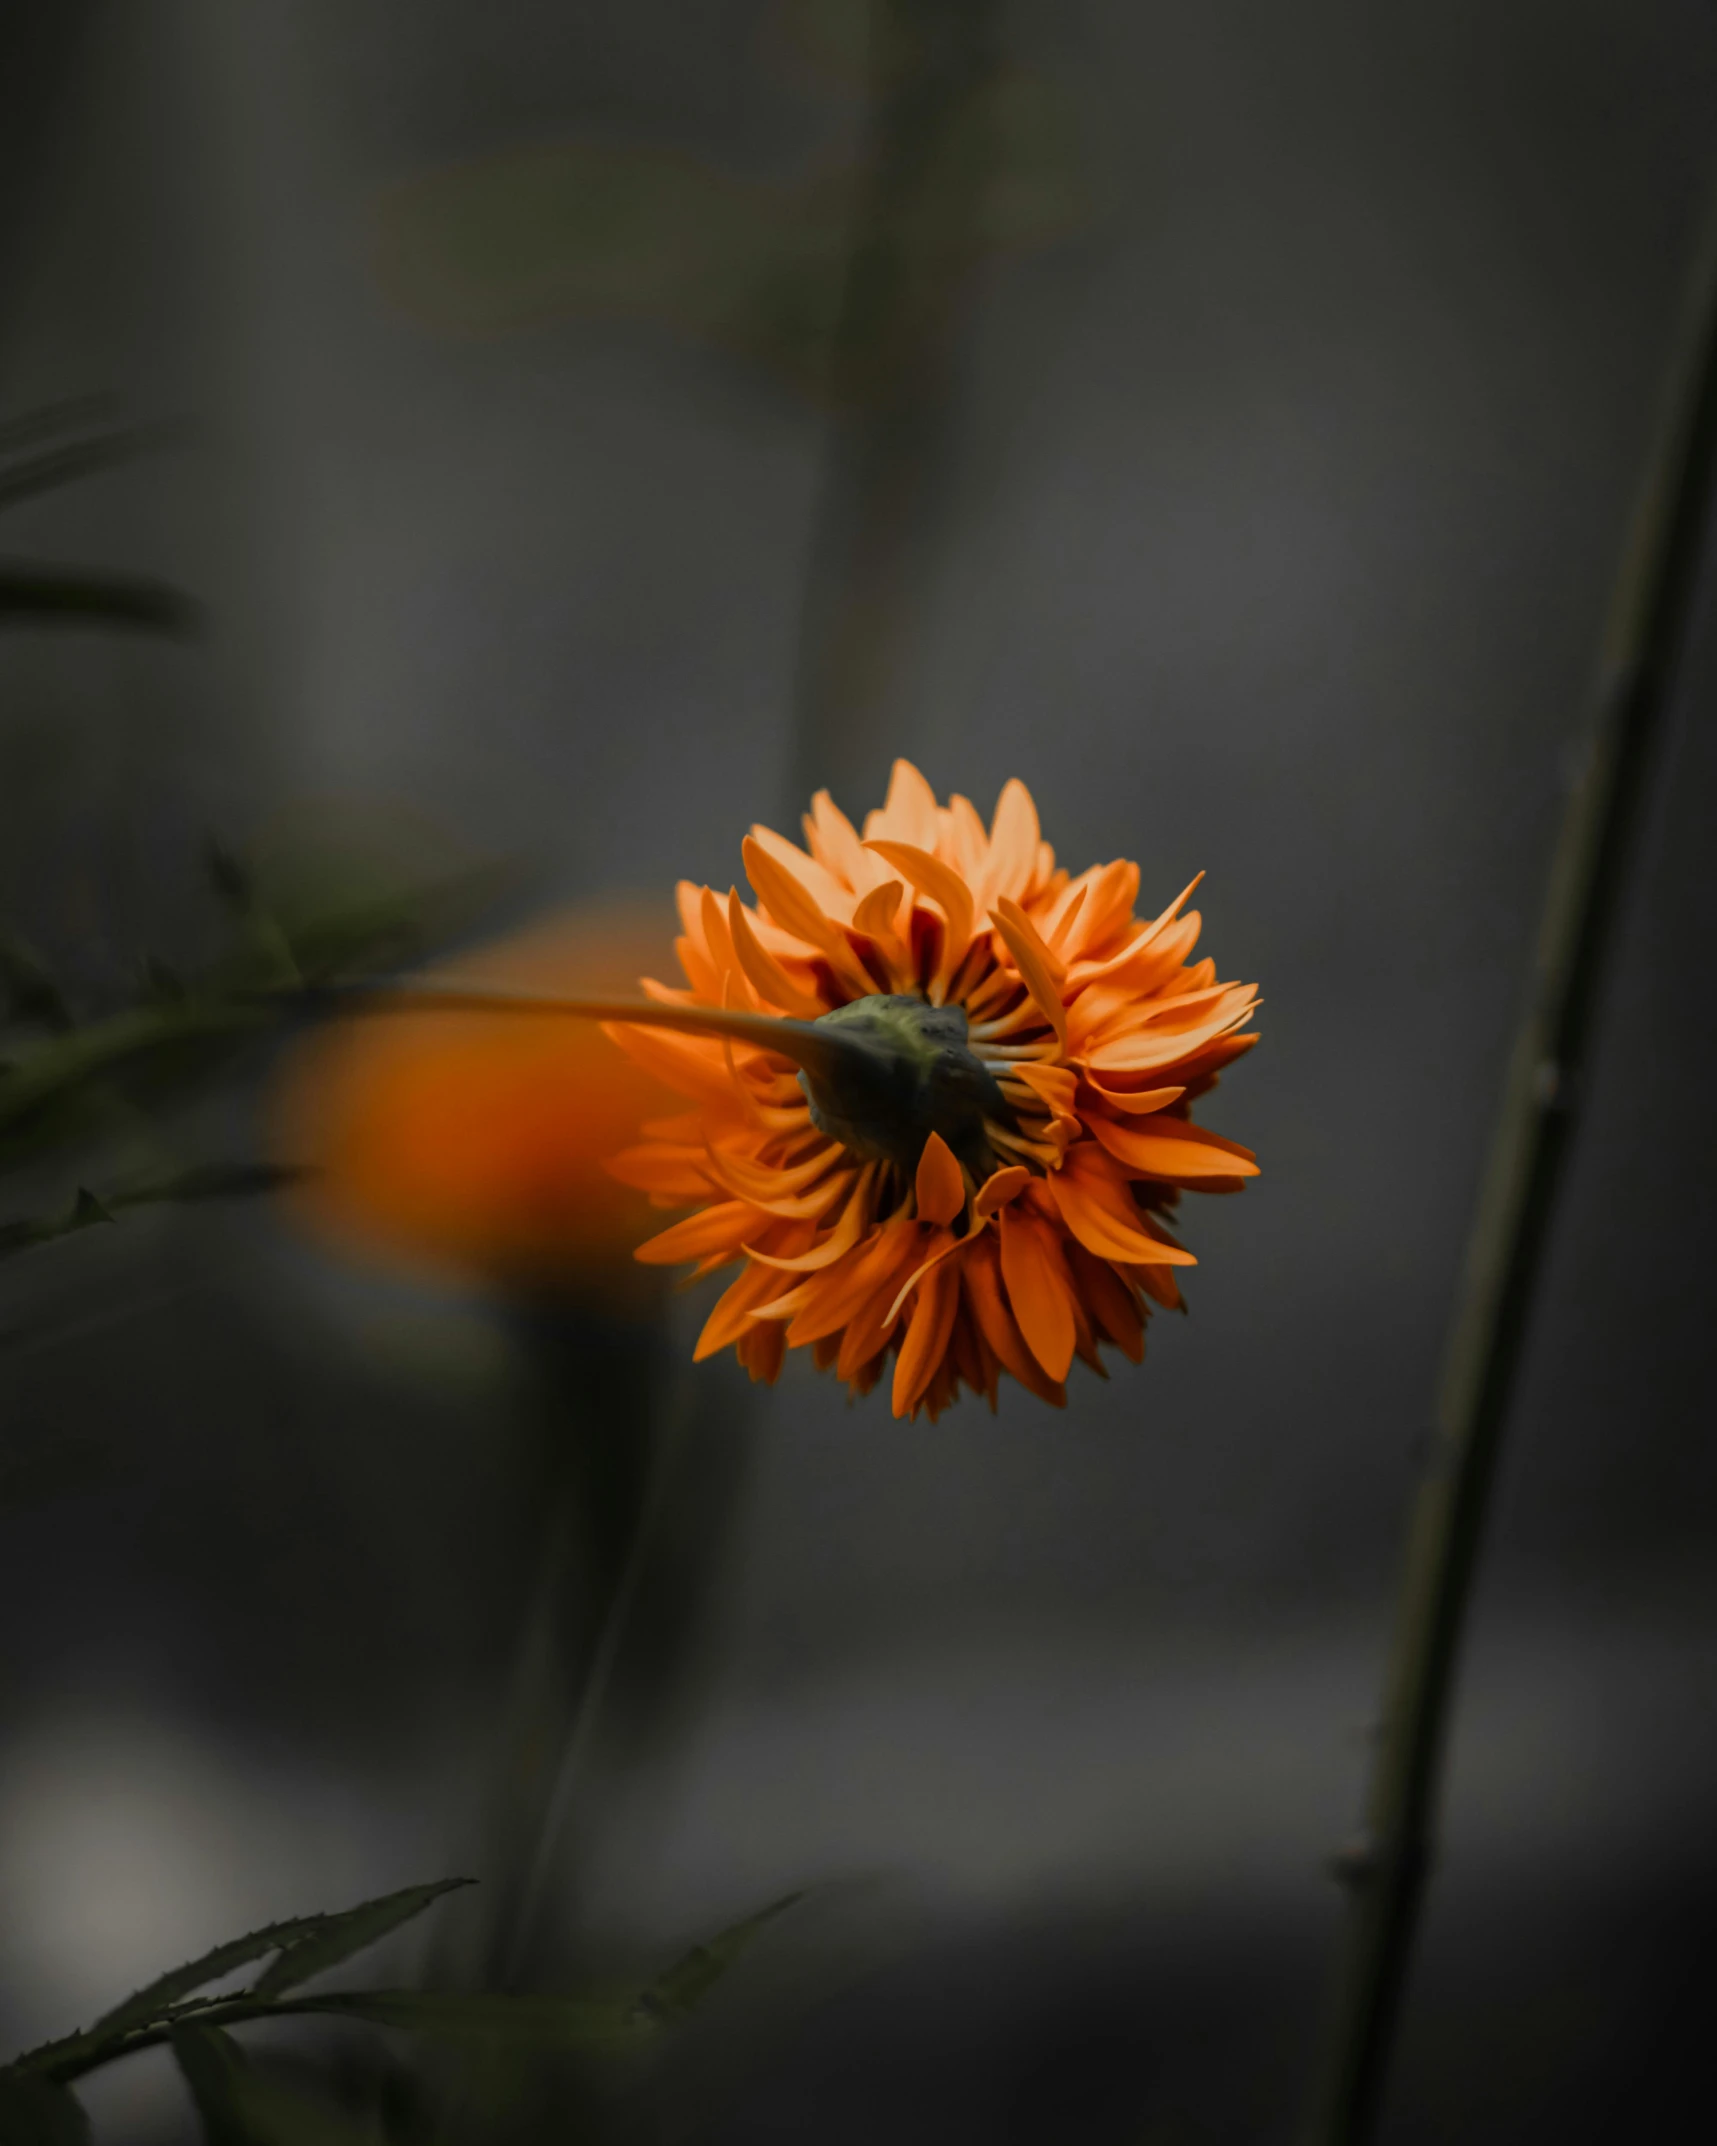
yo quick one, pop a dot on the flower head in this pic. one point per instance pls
(941, 1100)
(454, 1141)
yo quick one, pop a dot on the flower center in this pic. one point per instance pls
(912, 1075)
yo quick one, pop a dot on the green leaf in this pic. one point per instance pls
(36, 2112)
(156, 1998)
(690, 1979)
(241, 2106)
(338, 1937)
(215, 2070)
(579, 2022)
(40, 595)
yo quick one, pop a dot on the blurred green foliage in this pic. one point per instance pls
(67, 1085)
(761, 265)
(244, 2105)
(312, 916)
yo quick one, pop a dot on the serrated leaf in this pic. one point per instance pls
(691, 1978)
(156, 1998)
(36, 2112)
(580, 2022)
(338, 1937)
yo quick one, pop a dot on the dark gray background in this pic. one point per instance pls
(1277, 515)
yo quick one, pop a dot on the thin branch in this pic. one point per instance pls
(1387, 1867)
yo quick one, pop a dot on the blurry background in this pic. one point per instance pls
(1225, 419)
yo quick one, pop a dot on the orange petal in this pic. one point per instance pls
(833, 899)
(826, 1302)
(691, 1065)
(1053, 1086)
(854, 1221)
(721, 1229)
(1061, 921)
(763, 971)
(877, 912)
(1035, 963)
(1161, 1048)
(1136, 1105)
(869, 1328)
(676, 1171)
(967, 842)
(1172, 1149)
(1145, 961)
(944, 886)
(1098, 1209)
(1037, 1291)
(940, 1187)
(980, 1276)
(833, 840)
(1201, 1069)
(1112, 1301)
(701, 960)
(942, 1245)
(766, 1189)
(1000, 1187)
(733, 1311)
(909, 811)
(1014, 837)
(762, 1349)
(927, 1337)
(790, 905)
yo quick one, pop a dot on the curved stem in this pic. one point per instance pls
(1385, 1870)
(806, 1044)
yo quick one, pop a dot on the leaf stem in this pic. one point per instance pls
(1386, 1869)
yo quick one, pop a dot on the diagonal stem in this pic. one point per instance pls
(1386, 1869)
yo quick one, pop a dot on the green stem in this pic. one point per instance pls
(917, 241)
(1386, 1869)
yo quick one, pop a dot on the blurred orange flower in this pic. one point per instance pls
(971, 1168)
(474, 1145)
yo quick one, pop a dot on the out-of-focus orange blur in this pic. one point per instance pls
(473, 1145)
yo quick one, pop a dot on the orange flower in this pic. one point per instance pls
(942, 1100)
(475, 1146)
